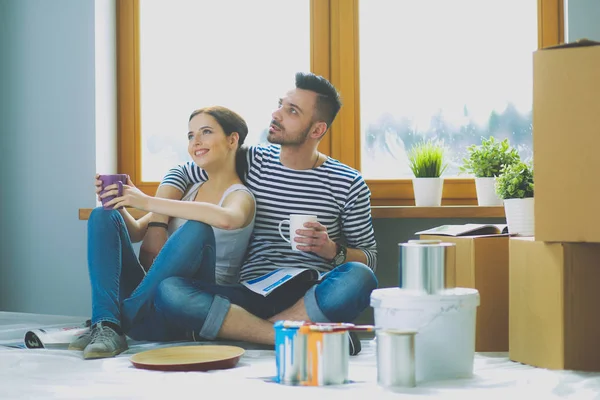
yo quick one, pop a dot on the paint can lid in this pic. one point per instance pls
(286, 324)
(417, 243)
(326, 327)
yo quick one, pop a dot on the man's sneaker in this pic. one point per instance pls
(82, 340)
(105, 342)
(355, 346)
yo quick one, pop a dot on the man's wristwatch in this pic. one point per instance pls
(340, 255)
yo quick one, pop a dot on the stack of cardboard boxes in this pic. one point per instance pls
(554, 277)
(540, 296)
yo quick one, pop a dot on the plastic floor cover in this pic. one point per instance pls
(64, 374)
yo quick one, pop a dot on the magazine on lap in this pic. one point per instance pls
(265, 284)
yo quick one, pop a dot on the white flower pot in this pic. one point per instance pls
(428, 191)
(486, 192)
(519, 216)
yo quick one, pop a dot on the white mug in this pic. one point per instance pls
(296, 221)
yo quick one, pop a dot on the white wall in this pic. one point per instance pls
(50, 112)
(106, 86)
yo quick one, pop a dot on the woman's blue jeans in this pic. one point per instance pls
(122, 292)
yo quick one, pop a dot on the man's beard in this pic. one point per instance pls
(288, 141)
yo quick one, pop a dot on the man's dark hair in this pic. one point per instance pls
(328, 98)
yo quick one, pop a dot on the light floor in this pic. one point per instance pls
(63, 374)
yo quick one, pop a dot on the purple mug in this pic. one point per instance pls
(107, 180)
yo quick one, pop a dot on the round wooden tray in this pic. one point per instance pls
(188, 358)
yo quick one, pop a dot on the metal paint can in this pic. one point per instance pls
(289, 352)
(422, 265)
(325, 354)
(396, 358)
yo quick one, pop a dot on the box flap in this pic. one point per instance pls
(578, 43)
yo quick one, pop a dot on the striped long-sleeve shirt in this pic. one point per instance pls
(336, 193)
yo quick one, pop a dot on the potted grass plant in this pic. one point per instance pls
(426, 160)
(514, 186)
(484, 162)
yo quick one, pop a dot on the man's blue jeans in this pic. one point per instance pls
(195, 309)
(122, 292)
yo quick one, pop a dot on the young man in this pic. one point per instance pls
(290, 176)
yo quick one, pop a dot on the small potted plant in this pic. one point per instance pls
(426, 160)
(515, 186)
(485, 161)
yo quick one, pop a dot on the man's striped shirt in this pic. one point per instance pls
(336, 193)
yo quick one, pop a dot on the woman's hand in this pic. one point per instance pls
(132, 196)
(98, 184)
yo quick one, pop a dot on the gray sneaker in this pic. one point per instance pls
(82, 340)
(104, 343)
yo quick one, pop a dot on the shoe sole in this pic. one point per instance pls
(77, 348)
(73, 346)
(95, 355)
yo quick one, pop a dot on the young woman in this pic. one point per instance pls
(209, 246)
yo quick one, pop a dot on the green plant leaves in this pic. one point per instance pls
(488, 159)
(515, 181)
(427, 159)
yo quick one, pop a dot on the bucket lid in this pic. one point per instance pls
(426, 243)
(396, 297)
(396, 332)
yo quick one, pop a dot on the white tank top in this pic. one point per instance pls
(231, 245)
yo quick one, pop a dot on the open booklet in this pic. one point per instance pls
(265, 284)
(467, 230)
(54, 337)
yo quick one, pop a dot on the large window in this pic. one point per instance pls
(196, 53)
(450, 79)
(406, 69)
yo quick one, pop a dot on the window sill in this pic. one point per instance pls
(393, 212)
(437, 212)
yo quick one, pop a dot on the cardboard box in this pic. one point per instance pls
(566, 139)
(553, 304)
(481, 262)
